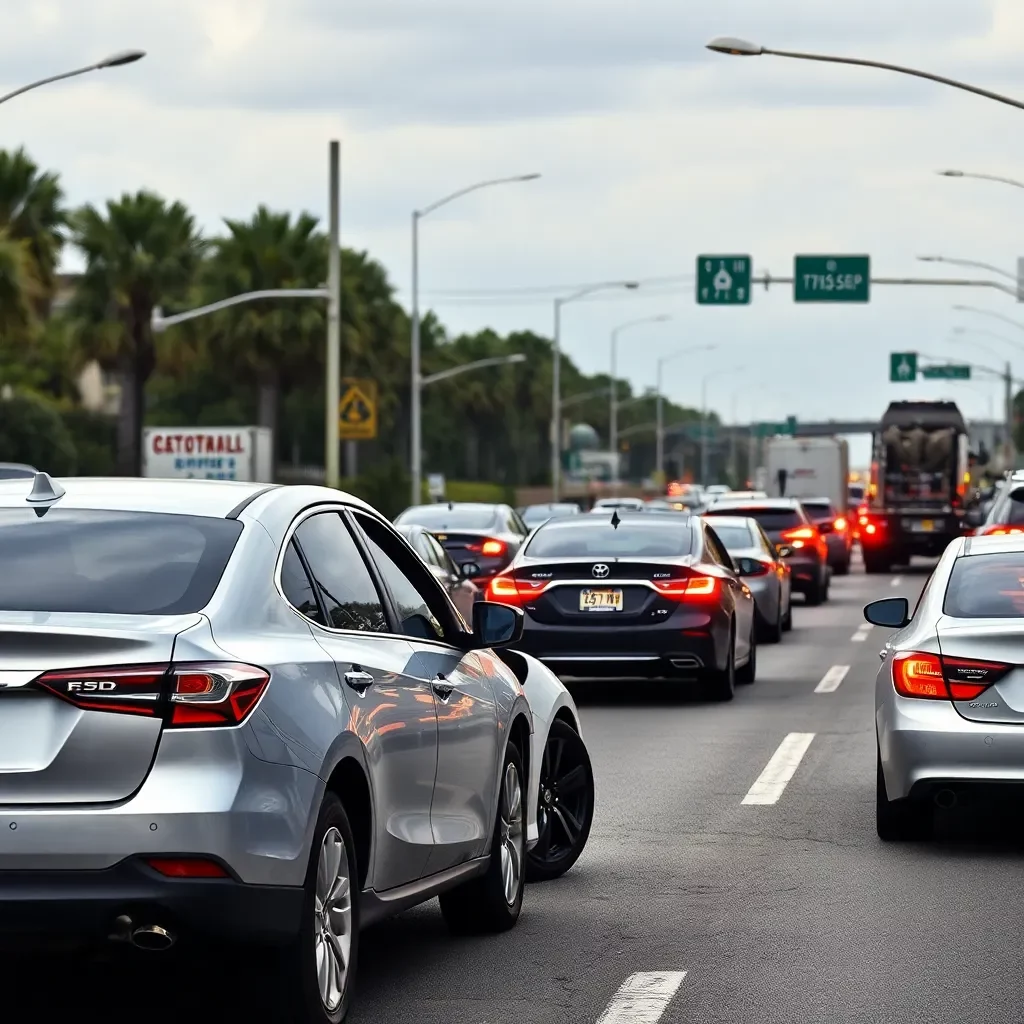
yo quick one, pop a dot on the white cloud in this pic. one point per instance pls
(652, 151)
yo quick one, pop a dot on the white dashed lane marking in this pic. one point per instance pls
(832, 678)
(780, 769)
(642, 998)
(862, 633)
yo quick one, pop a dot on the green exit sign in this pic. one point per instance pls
(723, 280)
(902, 367)
(832, 278)
(946, 372)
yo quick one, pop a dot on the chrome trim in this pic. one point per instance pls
(10, 679)
(605, 583)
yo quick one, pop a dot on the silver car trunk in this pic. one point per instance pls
(1000, 641)
(52, 752)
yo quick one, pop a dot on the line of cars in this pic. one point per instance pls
(655, 589)
(253, 714)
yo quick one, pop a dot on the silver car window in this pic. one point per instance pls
(441, 557)
(349, 595)
(413, 590)
(297, 586)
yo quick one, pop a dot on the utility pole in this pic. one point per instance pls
(333, 367)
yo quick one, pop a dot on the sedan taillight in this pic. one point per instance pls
(931, 677)
(205, 694)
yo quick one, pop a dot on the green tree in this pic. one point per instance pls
(141, 252)
(31, 211)
(19, 288)
(272, 343)
(32, 431)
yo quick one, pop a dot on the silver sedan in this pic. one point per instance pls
(249, 713)
(949, 695)
(767, 575)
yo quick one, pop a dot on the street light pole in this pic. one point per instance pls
(659, 430)
(478, 364)
(416, 383)
(981, 177)
(556, 376)
(968, 263)
(613, 411)
(332, 387)
(742, 48)
(115, 60)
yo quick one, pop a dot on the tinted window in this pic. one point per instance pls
(119, 563)
(537, 514)
(602, 540)
(440, 556)
(416, 618)
(734, 537)
(986, 586)
(772, 519)
(296, 585)
(716, 551)
(440, 517)
(14, 473)
(1008, 508)
(818, 510)
(347, 589)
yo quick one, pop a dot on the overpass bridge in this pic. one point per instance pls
(983, 430)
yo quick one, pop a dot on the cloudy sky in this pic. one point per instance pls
(652, 151)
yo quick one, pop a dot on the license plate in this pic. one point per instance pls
(926, 526)
(600, 600)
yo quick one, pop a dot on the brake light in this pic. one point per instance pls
(687, 588)
(186, 867)
(798, 537)
(509, 590)
(840, 525)
(492, 548)
(997, 531)
(931, 677)
(184, 696)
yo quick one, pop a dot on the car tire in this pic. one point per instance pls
(814, 597)
(787, 619)
(748, 673)
(722, 684)
(898, 820)
(331, 879)
(876, 564)
(492, 902)
(565, 817)
(843, 568)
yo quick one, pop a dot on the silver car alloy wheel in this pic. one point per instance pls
(512, 842)
(332, 919)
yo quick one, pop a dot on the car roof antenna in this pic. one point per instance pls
(45, 491)
(451, 506)
(615, 519)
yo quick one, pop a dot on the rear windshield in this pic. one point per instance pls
(441, 517)
(817, 510)
(116, 563)
(602, 540)
(771, 519)
(735, 538)
(986, 586)
(541, 513)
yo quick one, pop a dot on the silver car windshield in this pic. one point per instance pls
(986, 587)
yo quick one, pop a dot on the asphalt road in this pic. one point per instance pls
(692, 905)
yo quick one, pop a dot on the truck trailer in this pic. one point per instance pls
(915, 501)
(808, 467)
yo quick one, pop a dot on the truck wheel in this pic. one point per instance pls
(876, 562)
(843, 568)
(813, 597)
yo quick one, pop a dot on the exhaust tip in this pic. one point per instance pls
(946, 799)
(152, 937)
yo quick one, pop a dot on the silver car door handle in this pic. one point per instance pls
(442, 687)
(359, 681)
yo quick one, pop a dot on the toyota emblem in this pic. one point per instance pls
(600, 571)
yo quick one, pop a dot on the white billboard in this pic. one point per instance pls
(207, 453)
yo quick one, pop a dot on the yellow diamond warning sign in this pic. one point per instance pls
(357, 412)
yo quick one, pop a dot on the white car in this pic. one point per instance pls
(623, 504)
(561, 783)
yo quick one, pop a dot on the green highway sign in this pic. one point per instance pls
(902, 367)
(946, 372)
(723, 280)
(771, 429)
(831, 278)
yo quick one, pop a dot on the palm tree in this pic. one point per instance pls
(277, 342)
(31, 211)
(19, 288)
(140, 253)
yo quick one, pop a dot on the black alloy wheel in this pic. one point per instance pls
(566, 804)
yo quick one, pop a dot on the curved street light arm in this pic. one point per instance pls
(115, 60)
(899, 69)
(991, 313)
(160, 323)
(479, 364)
(981, 177)
(475, 188)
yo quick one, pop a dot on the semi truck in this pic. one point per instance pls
(915, 500)
(808, 467)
